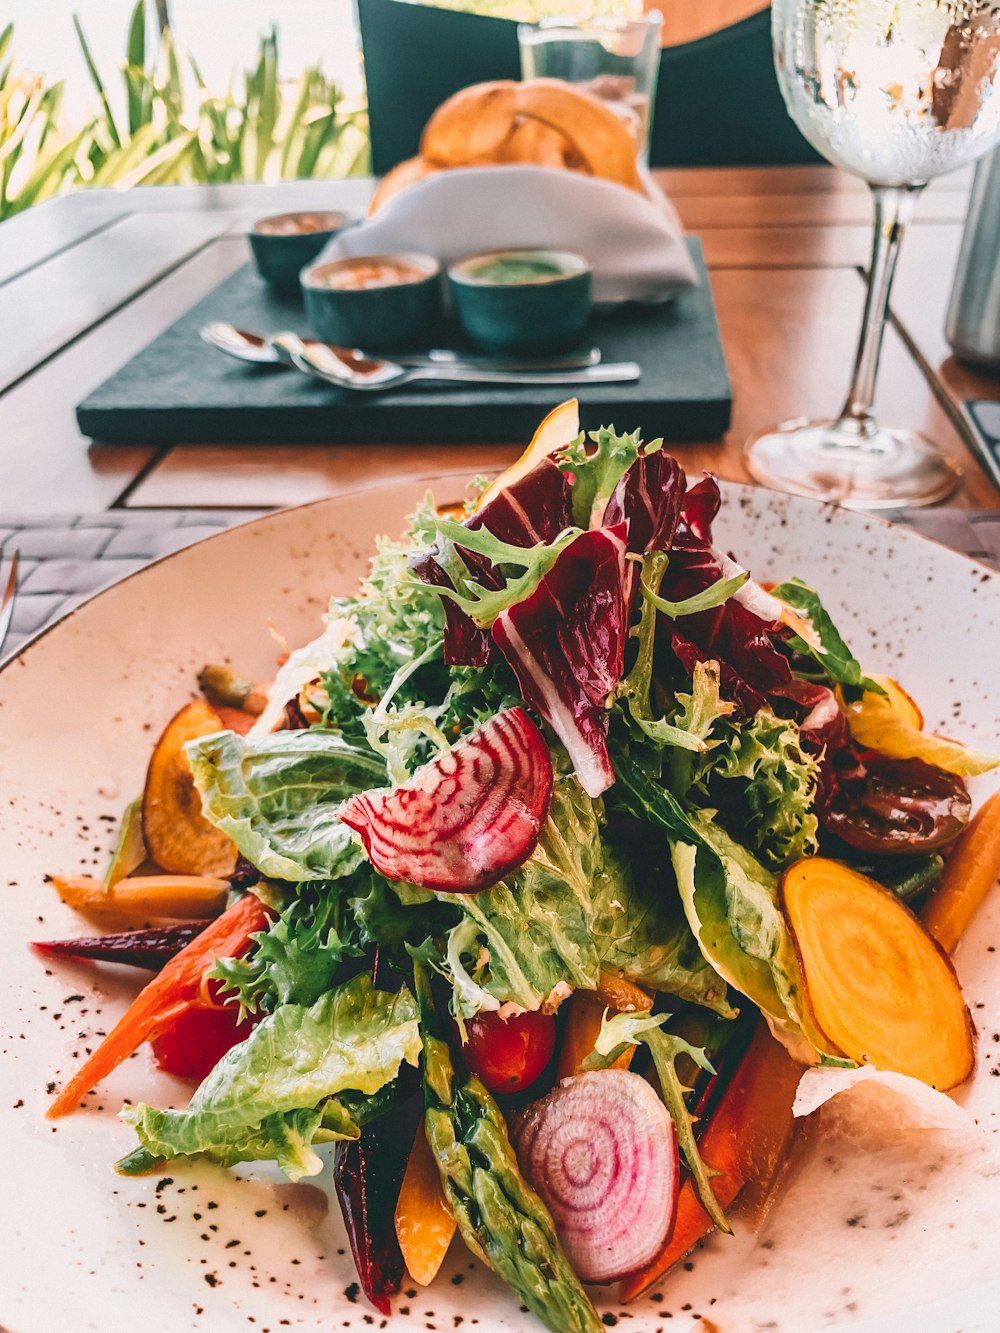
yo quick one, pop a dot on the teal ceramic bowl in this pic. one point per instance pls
(283, 244)
(522, 299)
(373, 301)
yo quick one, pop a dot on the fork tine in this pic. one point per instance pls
(7, 597)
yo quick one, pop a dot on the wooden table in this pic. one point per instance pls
(88, 279)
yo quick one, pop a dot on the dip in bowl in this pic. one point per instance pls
(283, 243)
(381, 301)
(522, 299)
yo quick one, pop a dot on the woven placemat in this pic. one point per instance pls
(66, 558)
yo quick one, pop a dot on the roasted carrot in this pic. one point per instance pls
(584, 1012)
(151, 948)
(138, 897)
(178, 986)
(969, 874)
(745, 1140)
(424, 1222)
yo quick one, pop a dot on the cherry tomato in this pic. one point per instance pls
(509, 1054)
(198, 1038)
(902, 807)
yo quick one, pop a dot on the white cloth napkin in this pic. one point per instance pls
(634, 243)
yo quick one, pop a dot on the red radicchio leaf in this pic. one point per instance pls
(649, 497)
(465, 644)
(823, 729)
(534, 509)
(537, 508)
(566, 645)
(701, 504)
(743, 644)
(822, 724)
(732, 686)
(468, 817)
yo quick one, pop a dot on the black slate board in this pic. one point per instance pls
(179, 390)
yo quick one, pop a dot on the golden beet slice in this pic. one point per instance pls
(878, 986)
(178, 836)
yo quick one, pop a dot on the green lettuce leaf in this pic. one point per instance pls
(295, 959)
(279, 798)
(772, 802)
(730, 901)
(716, 594)
(596, 472)
(642, 933)
(392, 915)
(829, 650)
(690, 723)
(260, 1098)
(523, 567)
(573, 908)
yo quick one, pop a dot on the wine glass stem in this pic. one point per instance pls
(893, 209)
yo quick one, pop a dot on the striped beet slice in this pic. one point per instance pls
(467, 818)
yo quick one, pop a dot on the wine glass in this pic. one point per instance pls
(897, 92)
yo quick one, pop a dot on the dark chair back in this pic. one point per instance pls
(717, 99)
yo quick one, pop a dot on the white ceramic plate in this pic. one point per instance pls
(893, 1235)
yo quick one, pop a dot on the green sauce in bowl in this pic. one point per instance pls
(526, 299)
(508, 271)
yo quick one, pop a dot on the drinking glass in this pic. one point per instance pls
(616, 59)
(897, 92)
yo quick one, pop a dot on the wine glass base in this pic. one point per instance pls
(888, 470)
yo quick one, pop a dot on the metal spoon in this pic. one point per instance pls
(350, 370)
(275, 350)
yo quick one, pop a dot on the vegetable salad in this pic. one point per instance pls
(534, 882)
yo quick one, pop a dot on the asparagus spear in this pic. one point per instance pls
(501, 1218)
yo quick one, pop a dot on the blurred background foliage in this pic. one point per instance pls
(174, 130)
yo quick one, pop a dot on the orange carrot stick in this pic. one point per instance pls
(176, 987)
(585, 1013)
(746, 1139)
(970, 873)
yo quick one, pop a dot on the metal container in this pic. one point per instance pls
(973, 324)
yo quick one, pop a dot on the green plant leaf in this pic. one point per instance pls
(138, 90)
(95, 79)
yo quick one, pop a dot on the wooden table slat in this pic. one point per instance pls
(57, 301)
(722, 182)
(792, 247)
(46, 465)
(805, 210)
(40, 233)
